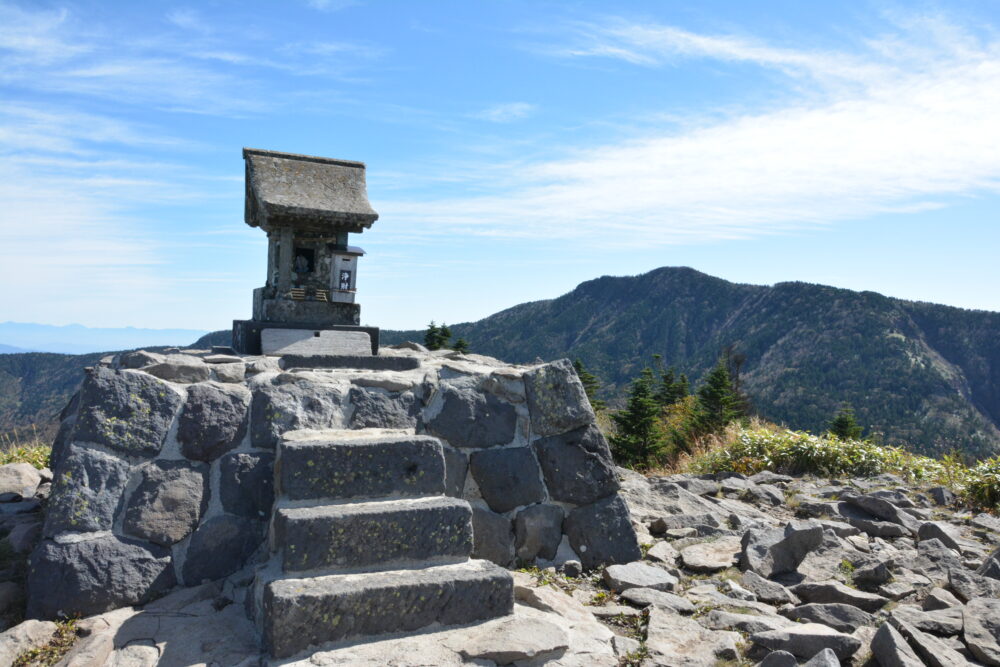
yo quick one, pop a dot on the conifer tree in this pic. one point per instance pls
(591, 385)
(639, 436)
(461, 345)
(432, 337)
(718, 401)
(436, 337)
(845, 426)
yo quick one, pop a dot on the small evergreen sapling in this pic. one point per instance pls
(437, 337)
(639, 435)
(845, 426)
(719, 402)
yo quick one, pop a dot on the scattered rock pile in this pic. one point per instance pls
(814, 571)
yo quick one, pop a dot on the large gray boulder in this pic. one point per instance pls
(577, 466)
(602, 533)
(93, 576)
(806, 640)
(86, 490)
(638, 575)
(982, 630)
(221, 546)
(470, 418)
(168, 502)
(891, 650)
(291, 401)
(826, 592)
(19, 478)
(377, 408)
(127, 411)
(839, 616)
(765, 589)
(942, 622)
(949, 534)
(885, 510)
(679, 641)
(644, 597)
(772, 551)
(184, 368)
(214, 420)
(508, 477)
(538, 531)
(712, 555)
(719, 619)
(556, 399)
(246, 484)
(968, 585)
(933, 651)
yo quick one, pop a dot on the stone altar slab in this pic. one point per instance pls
(309, 342)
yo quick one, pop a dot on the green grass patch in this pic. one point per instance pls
(53, 652)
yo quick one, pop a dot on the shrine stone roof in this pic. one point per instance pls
(313, 193)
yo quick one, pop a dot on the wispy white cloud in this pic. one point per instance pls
(189, 19)
(197, 70)
(332, 5)
(903, 125)
(506, 113)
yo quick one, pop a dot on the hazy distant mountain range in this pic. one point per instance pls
(78, 339)
(923, 375)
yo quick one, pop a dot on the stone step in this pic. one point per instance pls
(367, 463)
(299, 613)
(368, 533)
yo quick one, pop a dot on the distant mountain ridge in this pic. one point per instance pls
(921, 374)
(78, 339)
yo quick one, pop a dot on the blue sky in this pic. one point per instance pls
(514, 149)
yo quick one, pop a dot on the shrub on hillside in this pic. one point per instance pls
(981, 484)
(749, 450)
(753, 449)
(36, 454)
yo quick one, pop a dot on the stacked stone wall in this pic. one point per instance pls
(164, 465)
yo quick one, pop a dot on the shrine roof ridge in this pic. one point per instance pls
(306, 191)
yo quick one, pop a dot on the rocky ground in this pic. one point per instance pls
(771, 570)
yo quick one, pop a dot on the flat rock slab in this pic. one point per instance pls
(682, 642)
(982, 630)
(839, 616)
(309, 342)
(302, 613)
(556, 632)
(806, 640)
(645, 597)
(835, 592)
(19, 478)
(891, 650)
(711, 556)
(638, 575)
(360, 534)
(360, 464)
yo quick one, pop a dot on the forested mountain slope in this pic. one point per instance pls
(921, 374)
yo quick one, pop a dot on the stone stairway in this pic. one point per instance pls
(364, 542)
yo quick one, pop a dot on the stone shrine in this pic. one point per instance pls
(307, 206)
